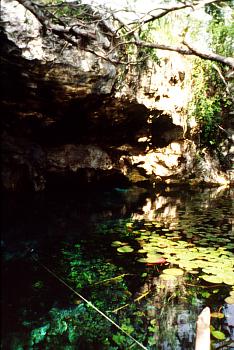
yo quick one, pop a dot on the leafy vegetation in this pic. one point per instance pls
(68, 12)
(221, 28)
(212, 101)
(147, 33)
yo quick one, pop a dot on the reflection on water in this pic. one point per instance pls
(117, 249)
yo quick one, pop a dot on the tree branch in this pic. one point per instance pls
(229, 61)
(81, 30)
(59, 29)
(163, 13)
(224, 81)
(167, 10)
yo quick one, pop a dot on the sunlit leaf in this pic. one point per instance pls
(125, 249)
(142, 251)
(228, 280)
(205, 294)
(173, 272)
(165, 277)
(217, 315)
(230, 299)
(218, 335)
(117, 243)
(153, 259)
(212, 278)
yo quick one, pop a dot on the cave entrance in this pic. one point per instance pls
(164, 131)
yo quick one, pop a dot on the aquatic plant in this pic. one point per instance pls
(214, 265)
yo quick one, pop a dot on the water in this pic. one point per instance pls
(112, 247)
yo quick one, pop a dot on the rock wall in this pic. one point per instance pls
(67, 114)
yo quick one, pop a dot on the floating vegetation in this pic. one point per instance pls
(125, 249)
(173, 272)
(230, 299)
(153, 259)
(170, 278)
(212, 278)
(214, 265)
(117, 244)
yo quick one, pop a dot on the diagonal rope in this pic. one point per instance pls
(88, 302)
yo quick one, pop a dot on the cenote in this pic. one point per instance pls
(150, 259)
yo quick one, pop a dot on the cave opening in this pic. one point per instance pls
(164, 131)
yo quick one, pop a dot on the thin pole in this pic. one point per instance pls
(88, 302)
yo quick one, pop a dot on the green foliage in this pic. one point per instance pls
(68, 12)
(165, 28)
(68, 326)
(221, 29)
(84, 271)
(147, 33)
(218, 335)
(207, 102)
(38, 334)
(211, 101)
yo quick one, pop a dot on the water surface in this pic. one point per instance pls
(151, 260)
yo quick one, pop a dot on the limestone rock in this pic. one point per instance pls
(74, 157)
(67, 111)
(77, 70)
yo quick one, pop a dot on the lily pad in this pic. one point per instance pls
(173, 272)
(117, 244)
(142, 251)
(230, 299)
(165, 277)
(153, 259)
(212, 278)
(187, 265)
(125, 249)
(228, 280)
